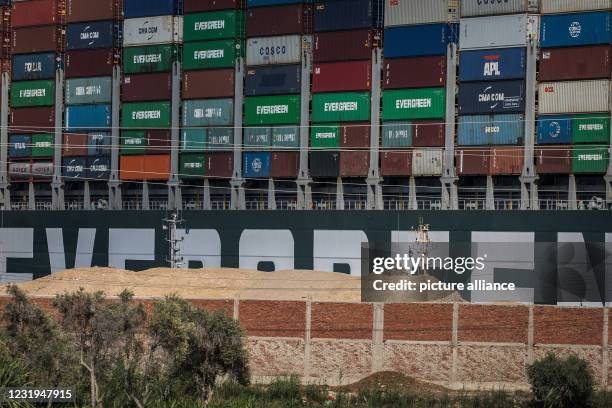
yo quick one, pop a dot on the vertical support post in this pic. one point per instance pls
(206, 204)
(374, 196)
(57, 185)
(412, 195)
(175, 200)
(145, 196)
(490, 194)
(608, 176)
(114, 185)
(237, 182)
(450, 198)
(304, 194)
(86, 196)
(5, 193)
(604, 348)
(529, 177)
(307, 340)
(271, 195)
(378, 346)
(31, 196)
(572, 196)
(339, 194)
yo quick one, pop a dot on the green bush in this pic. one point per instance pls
(561, 382)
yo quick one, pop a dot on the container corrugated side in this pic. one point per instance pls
(555, 160)
(35, 13)
(257, 137)
(152, 30)
(344, 45)
(285, 164)
(272, 110)
(211, 54)
(285, 137)
(396, 163)
(20, 146)
(89, 63)
(422, 103)
(138, 168)
(210, 83)
(98, 34)
(568, 6)
(74, 144)
(554, 130)
(590, 159)
(591, 128)
(348, 15)
(88, 90)
(281, 20)
(354, 163)
(208, 112)
(192, 165)
(324, 164)
(273, 80)
(574, 96)
(87, 10)
(153, 58)
(147, 87)
(492, 65)
(34, 66)
(42, 144)
(98, 144)
(425, 72)
(471, 8)
(256, 164)
(342, 76)
(427, 162)
(473, 161)
(491, 130)
(498, 31)
(74, 168)
(324, 136)
(396, 134)
(32, 93)
(195, 6)
(145, 115)
(492, 97)
(30, 40)
(23, 120)
(285, 49)
(570, 30)
(98, 168)
(342, 106)
(507, 161)
(573, 63)
(87, 117)
(216, 25)
(433, 39)
(149, 8)
(407, 12)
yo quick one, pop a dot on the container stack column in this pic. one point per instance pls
(238, 199)
(5, 68)
(115, 201)
(450, 198)
(57, 185)
(304, 189)
(528, 179)
(175, 200)
(374, 197)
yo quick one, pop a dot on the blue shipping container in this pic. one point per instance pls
(88, 117)
(479, 130)
(496, 64)
(99, 34)
(554, 130)
(491, 97)
(98, 168)
(34, 66)
(258, 3)
(348, 15)
(273, 80)
(20, 146)
(256, 164)
(418, 40)
(98, 143)
(568, 30)
(74, 167)
(149, 8)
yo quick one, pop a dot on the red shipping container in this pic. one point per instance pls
(30, 120)
(342, 76)
(473, 161)
(30, 40)
(194, 6)
(213, 83)
(554, 160)
(35, 13)
(220, 165)
(559, 64)
(285, 164)
(396, 163)
(144, 167)
(89, 63)
(158, 142)
(344, 45)
(428, 133)
(355, 135)
(507, 161)
(87, 10)
(354, 164)
(418, 72)
(147, 87)
(279, 20)
(74, 144)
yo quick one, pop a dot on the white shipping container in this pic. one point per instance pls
(489, 8)
(152, 30)
(403, 12)
(566, 6)
(427, 162)
(513, 30)
(285, 49)
(20, 170)
(42, 169)
(575, 96)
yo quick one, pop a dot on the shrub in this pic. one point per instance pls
(561, 382)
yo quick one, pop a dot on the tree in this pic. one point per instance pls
(196, 347)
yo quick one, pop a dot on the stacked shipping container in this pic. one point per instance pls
(492, 68)
(417, 34)
(213, 35)
(275, 35)
(36, 46)
(574, 90)
(152, 32)
(345, 34)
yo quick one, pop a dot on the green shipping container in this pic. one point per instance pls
(208, 112)
(257, 137)
(286, 137)
(42, 145)
(192, 165)
(133, 142)
(33, 93)
(272, 110)
(213, 26)
(154, 58)
(421, 103)
(219, 138)
(193, 140)
(145, 115)
(396, 134)
(88, 90)
(591, 128)
(211, 54)
(341, 107)
(325, 137)
(588, 159)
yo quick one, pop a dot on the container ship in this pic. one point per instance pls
(347, 121)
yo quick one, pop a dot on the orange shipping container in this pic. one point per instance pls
(507, 161)
(75, 144)
(144, 168)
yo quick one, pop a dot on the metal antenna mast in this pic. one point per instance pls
(170, 226)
